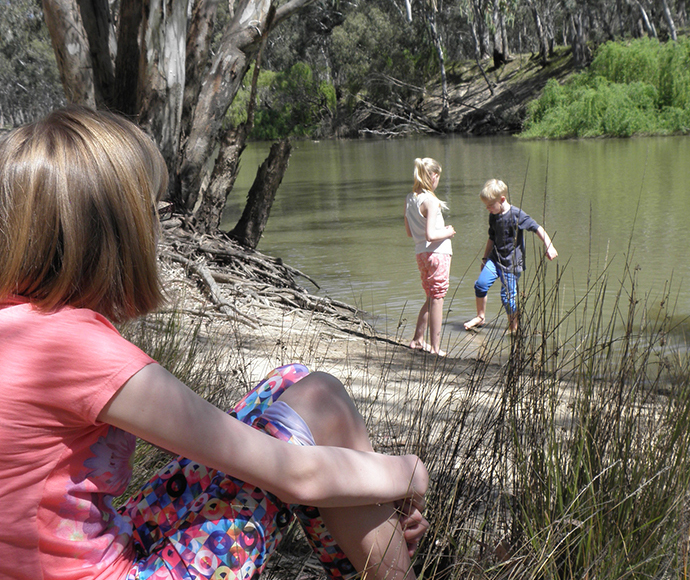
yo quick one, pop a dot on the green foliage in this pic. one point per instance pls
(636, 88)
(291, 103)
(29, 80)
(370, 48)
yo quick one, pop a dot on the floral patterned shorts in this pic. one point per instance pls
(191, 522)
(435, 273)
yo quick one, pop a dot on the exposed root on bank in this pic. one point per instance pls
(239, 282)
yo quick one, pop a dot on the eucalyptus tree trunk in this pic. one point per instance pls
(668, 17)
(157, 67)
(648, 25)
(578, 42)
(438, 46)
(501, 51)
(479, 28)
(260, 198)
(72, 52)
(541, 33)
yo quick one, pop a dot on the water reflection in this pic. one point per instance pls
(338, 214)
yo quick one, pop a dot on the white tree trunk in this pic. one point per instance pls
(146, 77)
(162, 80)
(669, 20)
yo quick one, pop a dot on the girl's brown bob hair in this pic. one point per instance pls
(78, 222)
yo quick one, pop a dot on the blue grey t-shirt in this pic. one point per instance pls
(505, 230)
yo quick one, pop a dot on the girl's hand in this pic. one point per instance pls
(551, 252)
(413, 523)
(450, 231)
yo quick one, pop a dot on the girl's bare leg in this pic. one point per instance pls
(435, 323)
(418, 341)
(370, 536)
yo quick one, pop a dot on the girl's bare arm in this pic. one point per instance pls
(157, 407)
(433, 234)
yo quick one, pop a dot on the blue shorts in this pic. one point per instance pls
(489, 274)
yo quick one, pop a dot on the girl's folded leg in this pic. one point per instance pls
(371, 536)
(190, 521)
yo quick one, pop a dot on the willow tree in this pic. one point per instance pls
(151, 60)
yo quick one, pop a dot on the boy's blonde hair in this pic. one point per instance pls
(424, 169)
(78, 220)
(493, 190)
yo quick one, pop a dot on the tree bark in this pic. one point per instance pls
(214, 198)
(668, 17)
(251, 225)
(479, 28)
(646, 22)
(438, 46)
(198, 56)
(501, 52)
(128, 57)
(71, 47)
(162, 75)
(239, 43)
(100, 32)
(541, 33)
(578, 44)
(159, 72)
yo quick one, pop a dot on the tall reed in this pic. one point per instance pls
(558, 453)
(577, 464)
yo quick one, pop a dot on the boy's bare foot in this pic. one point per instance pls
(420, 345)
(439, 352)
(474, 323)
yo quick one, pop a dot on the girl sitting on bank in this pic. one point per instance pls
(78, 233)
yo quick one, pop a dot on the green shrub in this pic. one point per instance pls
(291, 103)
(635, 88)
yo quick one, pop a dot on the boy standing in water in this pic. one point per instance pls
(504, 256)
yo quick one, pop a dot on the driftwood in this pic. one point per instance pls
(238, 280)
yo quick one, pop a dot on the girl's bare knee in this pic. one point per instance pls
(323, 402)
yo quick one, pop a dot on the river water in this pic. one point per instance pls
(338, 216)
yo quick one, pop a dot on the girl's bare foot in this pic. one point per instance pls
(476, 322)
(420, 345)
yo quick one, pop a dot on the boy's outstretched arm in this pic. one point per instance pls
(551, 252)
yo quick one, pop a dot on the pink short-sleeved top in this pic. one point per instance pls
(59, 466)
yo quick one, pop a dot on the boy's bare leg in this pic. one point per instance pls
(435, 323)
(370, 536)
(513, 320)
(418, 341)
(478, 321)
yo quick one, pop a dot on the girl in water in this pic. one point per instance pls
(424, 224)
(78, 232)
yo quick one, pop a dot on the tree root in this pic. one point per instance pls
(231, 275)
